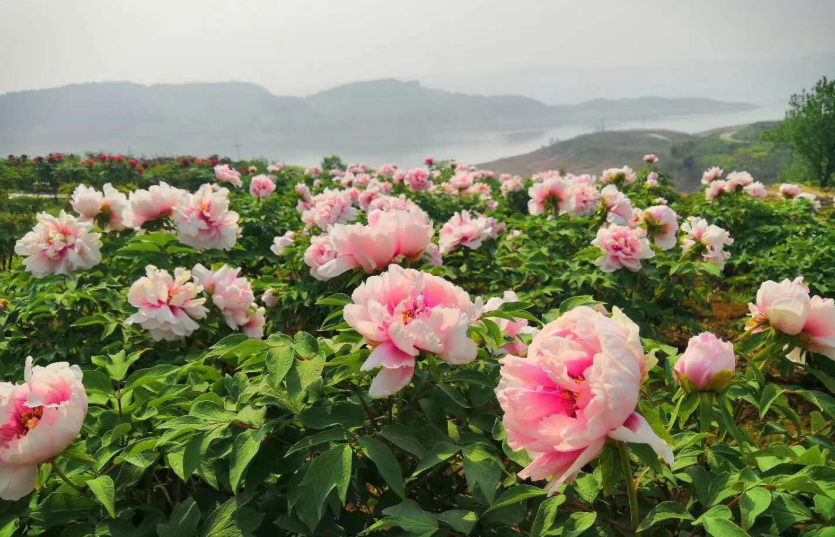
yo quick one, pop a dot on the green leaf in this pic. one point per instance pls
(719, 527)
(402, 437)
(516, 494)
(386, 463)
(770, 394)
(329, 435)
(576, 301)
(117, 365)
(306, 345)
(330, 470)
(753, 503)
(787, 511)
(578, 523)
(336, 299)
(104, 491)
(409, 516)
(460, 520)
(183, 522)
(303, 374)
(482, 470)
(278, 363)
(546, 515)
(244, 449)
(439, 453)
(223, 522)
(75, 453)
(59, 509)
(347, 415)
(664, 511)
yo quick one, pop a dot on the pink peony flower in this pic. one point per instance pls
(661, 224)
(109, 206)
(583, 200)
(329, 208)
(205, 222)
(708, 363)
(372, 247)
(402, 312)
(712, 238)
(712, 175)
(790, 190)
(432, 255)
(282, 243)
(417, 179)
(650, 159)
(159, 201)
(555, 188)
(652, 180)
(756, 190)
(399, 177)
(225, 174)
(387, 170)
(462, 230)
(510, 328)
(59, 245)
(785, 306)
(618, 176)
(462, 180)
(251, 169)
(512, 184)
(262, 186)
(269, 298)
(167, 306)
(304, 192)
(714, 189)
(430, 161)
(618, 206)
(818, 333)
(622, 248)
(253, 328)
(38, 420)
(811, 198)
(231, 294)
(275, 168)
(319, 253)
(578, 387)
(313, 171)
(736, 180)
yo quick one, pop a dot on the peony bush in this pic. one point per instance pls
(199, 347)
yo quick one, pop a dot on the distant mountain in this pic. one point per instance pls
(213, 117)
(760, 82)
(684, 155)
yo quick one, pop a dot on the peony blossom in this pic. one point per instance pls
(225, 174)
(790, 190)
(756, 190)
(254, 327)
(736, 180)
(432, 255)
(462, 180)
(38, 420)
(714, 189)
(275, 168)
(328, 208)
(811, 198)
(387, 237)
(262, 186)
(553, 188)
(387, 170)
(622, 248)
(108, 206)
(319, 253)
(402, 312)
(652, 180)
(785, 306)
(59, 245)
(205, 222)
(583, 200)
(618, 176)
(712, 238)
(661, 224)
(510, 328)
(167, 306)
(711, 175)
(618, 206)
(282, 243)
(269, 298)
(578, 387)
(818, 333)
(650, 159)
(159, 201)
(417, 179)
(304, 192)
(708, 364)
(231, 294)
(463, 230)
(512, 184)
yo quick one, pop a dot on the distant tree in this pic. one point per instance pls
(332, 162)
(809, 129)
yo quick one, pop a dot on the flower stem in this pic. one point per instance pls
(630, 486)
(705, 412)
(63, 476)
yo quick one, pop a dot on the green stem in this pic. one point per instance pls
(630, 486)
(705, 412)
(399, 406)
(63, 476)
(766, 355)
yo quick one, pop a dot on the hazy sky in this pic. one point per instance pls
(301, 46)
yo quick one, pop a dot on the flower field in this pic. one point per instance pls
(201, 347)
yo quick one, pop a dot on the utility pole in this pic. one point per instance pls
(238, 147)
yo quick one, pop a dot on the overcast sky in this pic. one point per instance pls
(297, 47)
